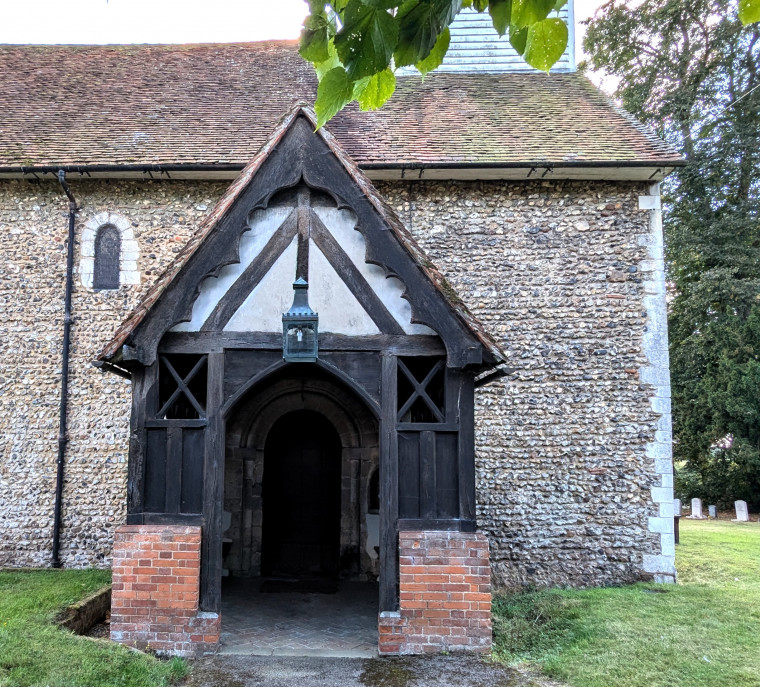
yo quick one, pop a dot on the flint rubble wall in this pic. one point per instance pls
(570, 488)
(33, 231)
(569, 278)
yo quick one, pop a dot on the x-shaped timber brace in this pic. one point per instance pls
(182, 387)
(420, 390)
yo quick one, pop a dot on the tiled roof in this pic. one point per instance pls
(215, 105)
(386, 212)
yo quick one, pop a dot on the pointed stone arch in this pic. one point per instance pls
(249, 422)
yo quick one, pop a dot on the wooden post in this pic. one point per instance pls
(466, 448)
(388, 486)
(213, 488)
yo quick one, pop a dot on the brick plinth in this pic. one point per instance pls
(156, 587)
(445, 595)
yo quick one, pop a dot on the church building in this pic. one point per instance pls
(422, 348)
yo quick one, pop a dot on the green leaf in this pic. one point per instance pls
(330, 63)
(314, 37)
(366, 41)
(518, 38)
(749, 11)
(481, 5)
(334, 93)
(545, 44)
(501, 14)
(435, 58)
(559, 5)
(420, 24)
(383, 4)
(378, 90)
(446, 10)
(358, 87)
(527, 12)
(339, 6)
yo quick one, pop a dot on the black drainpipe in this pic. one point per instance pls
(62, 429)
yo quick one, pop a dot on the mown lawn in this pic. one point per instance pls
(702, 632)
(34, 652)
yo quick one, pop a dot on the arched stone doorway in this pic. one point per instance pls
(300, 543)
(270, 413)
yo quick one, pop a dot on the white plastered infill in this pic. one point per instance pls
(657, 374)
(130, 250)
(342, 225)
(339, 310)
(262, 309)
(263, 224)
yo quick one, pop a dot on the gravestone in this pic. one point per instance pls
(742, 514)
(696, 509)
(712, 511)
(676, 520)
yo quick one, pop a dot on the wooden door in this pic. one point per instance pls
(301, 497)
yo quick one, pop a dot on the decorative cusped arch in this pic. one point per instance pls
(248, 425)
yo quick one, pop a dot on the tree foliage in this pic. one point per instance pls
(691, 70)
(356, 45)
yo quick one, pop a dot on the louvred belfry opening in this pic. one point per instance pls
(306, 446)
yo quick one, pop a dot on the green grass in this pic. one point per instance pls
(33, 651)
(702, 632)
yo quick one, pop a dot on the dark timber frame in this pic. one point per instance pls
(420, 388)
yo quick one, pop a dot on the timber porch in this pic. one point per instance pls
(260, 448)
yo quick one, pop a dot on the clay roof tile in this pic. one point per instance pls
(215, 105)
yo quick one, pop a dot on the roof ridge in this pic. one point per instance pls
(51, 46)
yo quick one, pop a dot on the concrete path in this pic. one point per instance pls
(408, 671)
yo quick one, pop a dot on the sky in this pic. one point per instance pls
(167, 21)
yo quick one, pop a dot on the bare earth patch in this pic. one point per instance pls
(407, 671)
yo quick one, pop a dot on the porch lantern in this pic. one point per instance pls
(299, 327)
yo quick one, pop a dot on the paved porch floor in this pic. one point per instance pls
(256, 623)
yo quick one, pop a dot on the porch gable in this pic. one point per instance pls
(299, 160)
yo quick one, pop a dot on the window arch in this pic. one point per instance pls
(109, 252)
(107, 258)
